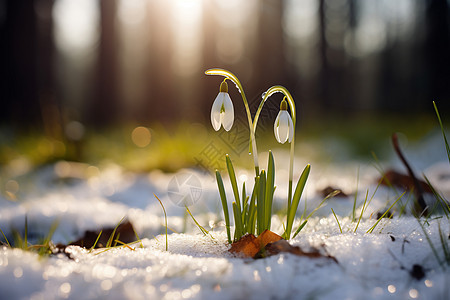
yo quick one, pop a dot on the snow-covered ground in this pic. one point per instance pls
(396, 261)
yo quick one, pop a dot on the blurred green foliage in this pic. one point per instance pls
(182, 145)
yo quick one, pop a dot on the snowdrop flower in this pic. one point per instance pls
(283, 127)
(222, 112)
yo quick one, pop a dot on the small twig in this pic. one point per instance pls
(124, 245)
(420, 205)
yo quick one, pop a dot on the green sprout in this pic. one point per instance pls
(253, 214)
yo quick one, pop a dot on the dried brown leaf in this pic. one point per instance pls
(392, 177)
(283, 246)
(269, 243)
(125, 231)
(247, 246)
(267, 237)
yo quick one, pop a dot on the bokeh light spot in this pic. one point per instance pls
(413, 293)
(62, 169)
(65, 288)
(391, 288)
(18, 272)
(106, 285)
(141, 136)
(75, 131)
(12, 186)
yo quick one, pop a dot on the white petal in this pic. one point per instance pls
(283, 126)
(291, 129)
(275, 128)
(227, 116)
(215, 112)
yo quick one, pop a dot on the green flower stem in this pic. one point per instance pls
(233, 78)
(252, 208)
(285, 92)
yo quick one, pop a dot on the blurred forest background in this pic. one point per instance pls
(87, 83)
(103, 62)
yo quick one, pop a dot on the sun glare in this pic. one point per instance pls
(187, 36)
(76, 24)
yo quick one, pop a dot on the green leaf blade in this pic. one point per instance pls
(237, 222)
(233, 181)
(260, 213)
(296, 200)
(270, 182)
(223, 200)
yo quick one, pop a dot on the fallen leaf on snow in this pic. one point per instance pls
(124, 232)
(269, 243)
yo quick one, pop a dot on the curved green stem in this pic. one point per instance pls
(285, 92)
(236, 81)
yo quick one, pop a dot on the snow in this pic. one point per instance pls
(376, 265)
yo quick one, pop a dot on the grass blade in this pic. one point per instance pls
(52, 230)
(362, 211)
(356, 196)
(304, 210)
(4, 236)
(18, 241)
(96, 241)
(117, 239)
(165, 220)
(444, 204)
(296, 200)
(300, 228)
(223, 199)
(138, 239)
(443, 132)
(385, 213)
(433, 249)
(45, 249)
(202, 229)
(404, 206)
(444, 244)
(25, 238)
(124, 244)
(330, 195)
(111, 237)
(340, 228)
